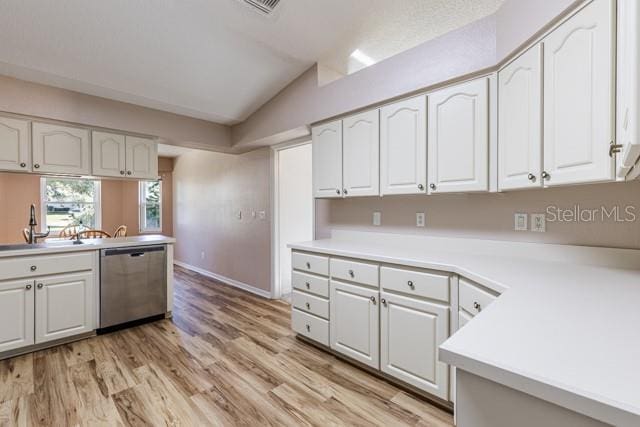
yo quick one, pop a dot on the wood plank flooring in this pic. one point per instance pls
(227, 358)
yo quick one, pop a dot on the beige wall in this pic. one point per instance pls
(490, 216)
(119, 202)
(209, 188)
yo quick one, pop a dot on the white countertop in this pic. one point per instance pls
(58, 246)
(566, 332)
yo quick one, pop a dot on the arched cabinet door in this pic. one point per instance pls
(61, 149)
(360, 154)
(520, 122)
(141, 158)
(579, 97)
(108, 154)
(403, 147)
(459, 138)
(327, 160)
(15, 145)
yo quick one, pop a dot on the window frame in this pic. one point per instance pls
(97, 201)
(142, 204)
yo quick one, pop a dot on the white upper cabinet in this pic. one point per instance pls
(15, 145)
(16, 314)
(459, 138)
(578, 97)
(327, 159)
(108, 153)
(361, 149)
(61, 149)
(411, 332)
(520, 122)
(403, 146)
(141, 158)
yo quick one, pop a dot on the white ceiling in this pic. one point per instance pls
(211, 59)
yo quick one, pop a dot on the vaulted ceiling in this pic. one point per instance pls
(211, 59)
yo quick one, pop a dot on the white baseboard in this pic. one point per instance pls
(225, 280)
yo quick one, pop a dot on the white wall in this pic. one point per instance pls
(295, 205)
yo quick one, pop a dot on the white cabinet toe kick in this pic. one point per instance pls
(389, 319)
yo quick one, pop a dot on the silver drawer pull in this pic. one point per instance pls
(34, 268)
(308, 285)
(477, 306)
(383, 301)
(28, 287)
(308, 306)
(308, 328)
(373, 299)
(40, 285)
(308, 265)
(410, 284)
(351, 273)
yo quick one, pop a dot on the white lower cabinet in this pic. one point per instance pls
(16, 314)
(354, 325)
(64, 306)
(411, 331)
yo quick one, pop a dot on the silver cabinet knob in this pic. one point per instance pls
(477, 306)
(420, 187)
(128, 172)
(28, 287)
(23, 165)
(308, 285)
(344, 191)
(545, 175)
(383, 301)
(410, 284)
(33, 268)
(121, 172)
(37, 166)
(531, 177)
(373, 299)
(308, 265)
(614, 148)
(432, 186)
(351, 273)
(308, 305)
(308, 328)
(40, 285)
(337, 191)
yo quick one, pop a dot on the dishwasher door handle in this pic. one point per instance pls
(137, 254)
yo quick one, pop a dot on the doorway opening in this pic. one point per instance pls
(293, 209)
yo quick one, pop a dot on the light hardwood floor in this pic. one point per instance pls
(226, 358)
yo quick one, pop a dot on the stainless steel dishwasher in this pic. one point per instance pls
(133, 285)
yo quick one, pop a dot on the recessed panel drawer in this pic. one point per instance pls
(354, 271)
(310, 283)
(473, 298)
(312, 304)
(310, 326)
(416, 283)
(317, 264)
(44, 265)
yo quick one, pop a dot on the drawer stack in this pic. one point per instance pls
(473, 298)
(310, 298)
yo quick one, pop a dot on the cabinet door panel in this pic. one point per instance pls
(141, 158)
(354, 322)
(16, 314)
(61, 149)
(327, 159)
(403, 147)
(578, 97)
(15, 145)
(64, 306)
(520, 122)
(361, 147)
(108, 154)
(459, 138)
(411, 332)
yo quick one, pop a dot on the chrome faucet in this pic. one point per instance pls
(33, 236)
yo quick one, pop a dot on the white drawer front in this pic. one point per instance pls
(463, 318)
(312, 263)
(31, 266)
(416, 283)
(310, 326)
(310, 283)
(312, 304)
(472, 298)
(354, 271)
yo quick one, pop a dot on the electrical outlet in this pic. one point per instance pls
(520, 221)
(538, 223)
(419, 219)
(202, 255)
(377, 218)
(262, 214)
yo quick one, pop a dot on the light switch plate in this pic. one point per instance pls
(538, 223)
(262, 214)
(377, 218)
(419, 219)
(520, 222)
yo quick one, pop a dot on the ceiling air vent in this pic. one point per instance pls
(266, 7)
